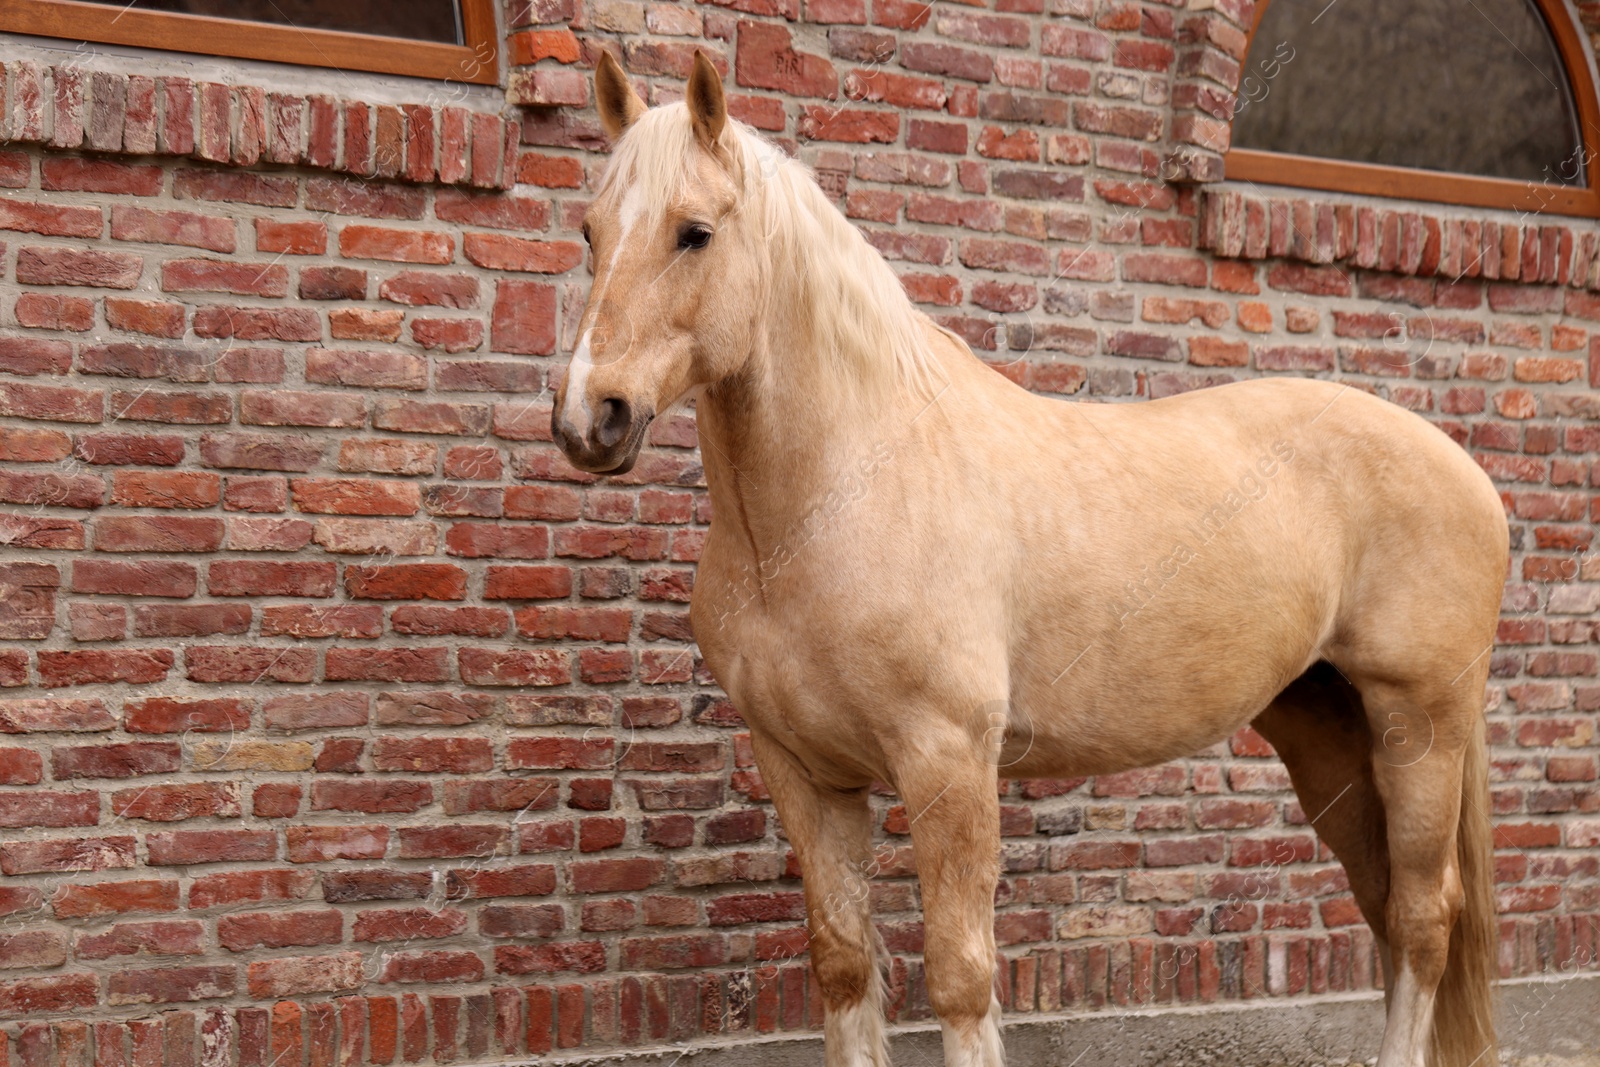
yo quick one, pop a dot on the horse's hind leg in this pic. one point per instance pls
(1379, 771)
(1429, 736)
(831, 831)
(949, 792)
(1320, 732)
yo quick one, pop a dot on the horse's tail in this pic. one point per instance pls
(1463, 1021)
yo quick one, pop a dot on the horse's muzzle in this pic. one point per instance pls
(614, 439)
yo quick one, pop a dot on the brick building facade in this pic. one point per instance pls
(347, 723)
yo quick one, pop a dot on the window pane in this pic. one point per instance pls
(418, 20)
(1469, 86)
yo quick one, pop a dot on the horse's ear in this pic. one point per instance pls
(618, 104)
(708, 108)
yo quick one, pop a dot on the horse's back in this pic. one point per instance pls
(1390, 466)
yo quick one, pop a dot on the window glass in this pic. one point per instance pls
(1467, 86)
(418, 20)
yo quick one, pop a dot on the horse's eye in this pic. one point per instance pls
(694, 236)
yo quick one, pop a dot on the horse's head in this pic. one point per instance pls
(676, 277)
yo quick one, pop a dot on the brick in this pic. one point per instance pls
(766, 59)
(221, 663)
(107, 107)
(406, 924)
(288, 408)
(237, 933)
(320, 844)
(514, 667)
(434, 755)
(442, 417)
(370, 796)
(40, 311)
(130, 360)
(263, 493)
(332, 283)
(34, 446)
(523, 321)
(57, 993)
(235, 187)
(251, 451)
(316, 711)
(407, 581)
(301, 975)
(520, 920)
(291, 236)
(231, 888)
(387, 665)
(297, 620)
(849, 125)
(79, 853)
(364, 324)
(165, 938)
(74, 491)
(948, 60)
(115, 898)
(20, 766)
(54, 808)
(375, 537)
(150, 226)
(439, 966)
(147, 405)
(173, 803)
(152, 317)
(97, 666)
(16, 170)
(402, 246)
(387, 456)
(71, 266)
(508, 253)
(354, 496)
(165, 489)
(190, 620)
(270, 578)
(276, 800)
(185, 847)
(224, 276)
(52, 220)
(257, 324)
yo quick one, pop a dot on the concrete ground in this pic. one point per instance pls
(1543, 1023)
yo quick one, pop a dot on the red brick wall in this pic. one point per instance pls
(345, 719)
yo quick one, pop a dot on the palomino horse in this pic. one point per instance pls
(922, 574)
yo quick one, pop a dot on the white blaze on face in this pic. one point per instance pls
(575, 408)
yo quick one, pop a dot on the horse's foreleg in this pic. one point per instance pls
(951, 803)
(831, 831)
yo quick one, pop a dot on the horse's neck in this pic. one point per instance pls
(777, 441)
(802, 418)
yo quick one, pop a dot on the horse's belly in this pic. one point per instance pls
(1105, 740)
(1125, 706)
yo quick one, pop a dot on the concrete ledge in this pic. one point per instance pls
(1545, 1021)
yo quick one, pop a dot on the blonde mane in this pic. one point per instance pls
(859, 312)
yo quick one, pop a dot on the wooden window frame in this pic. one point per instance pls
(476, 62)
(1407, 183)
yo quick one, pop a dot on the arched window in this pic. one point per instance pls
(1483, 102)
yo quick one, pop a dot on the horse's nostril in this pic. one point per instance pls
(612, 425)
